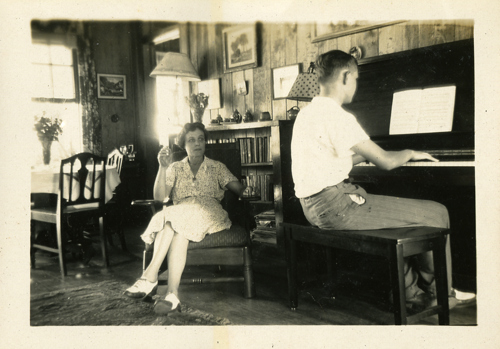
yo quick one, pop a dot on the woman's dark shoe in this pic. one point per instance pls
(169, 304)
(141, 289)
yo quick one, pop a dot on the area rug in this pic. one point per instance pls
(103, 304)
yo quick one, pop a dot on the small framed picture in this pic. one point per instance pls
(283, 79)
(211, 88)
(111, 86)
(240, 47)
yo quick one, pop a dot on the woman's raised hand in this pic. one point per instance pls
(165, 156)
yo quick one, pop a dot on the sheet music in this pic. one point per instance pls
(423, 110)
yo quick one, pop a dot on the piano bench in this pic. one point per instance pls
(393, 244)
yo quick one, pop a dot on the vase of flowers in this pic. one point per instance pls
(197, 103)
(48, 130)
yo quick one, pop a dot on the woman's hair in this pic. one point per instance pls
(331, 63)
(190, 127)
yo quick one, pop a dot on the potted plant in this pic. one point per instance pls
(197, 103)
(48, 130)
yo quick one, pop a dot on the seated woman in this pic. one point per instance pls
(196, 186)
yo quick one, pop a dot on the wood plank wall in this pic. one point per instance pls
(283, 44)
(279, 44)
(113, 55)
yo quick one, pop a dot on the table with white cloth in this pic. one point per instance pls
(45, 179)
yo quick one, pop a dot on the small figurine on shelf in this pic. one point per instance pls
(265, 116)
(248, 117)
(236, 116)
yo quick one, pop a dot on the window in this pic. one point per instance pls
(55, 92)
(173, 112)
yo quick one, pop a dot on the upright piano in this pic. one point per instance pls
(451, 181)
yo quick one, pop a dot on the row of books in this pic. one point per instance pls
(265, 230)
(221, 140)
(259, 185)
(254, 150)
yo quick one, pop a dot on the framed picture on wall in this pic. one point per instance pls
(111, 86)
(283, 79)
(240, 47)
(325, 31)
(211, 88)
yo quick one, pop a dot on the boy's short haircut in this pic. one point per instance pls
(332, 62)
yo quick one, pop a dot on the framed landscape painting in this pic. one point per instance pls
(111, 86)
(240, 48)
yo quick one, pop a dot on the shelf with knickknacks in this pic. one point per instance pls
(248, 117)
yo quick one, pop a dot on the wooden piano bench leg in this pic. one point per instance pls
(397, 265)
(291, 266)
(439, 254)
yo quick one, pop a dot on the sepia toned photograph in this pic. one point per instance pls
(353, 215)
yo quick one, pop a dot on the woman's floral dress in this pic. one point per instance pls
(196, 210)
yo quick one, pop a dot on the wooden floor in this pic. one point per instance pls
(269, 307)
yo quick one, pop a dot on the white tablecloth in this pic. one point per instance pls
(46, 180)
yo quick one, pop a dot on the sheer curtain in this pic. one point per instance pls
(91, 121)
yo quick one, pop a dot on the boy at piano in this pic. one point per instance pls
(327, 142)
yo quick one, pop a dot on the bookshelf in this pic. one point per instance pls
(254, 141)
(259, 154)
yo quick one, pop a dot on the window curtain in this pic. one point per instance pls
(91, 121)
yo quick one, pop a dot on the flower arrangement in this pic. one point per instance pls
(48, 128)
(197, 103)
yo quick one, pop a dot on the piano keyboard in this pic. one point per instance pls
(431, 164)
(448, 158)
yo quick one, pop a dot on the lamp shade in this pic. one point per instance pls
(176, 64)
(305, 87)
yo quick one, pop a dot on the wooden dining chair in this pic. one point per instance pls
(229, 247)
(82, 181)
(115, 159)
(116, 206)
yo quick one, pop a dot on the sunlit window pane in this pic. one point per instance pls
(42, 83)
(64, 86)
(61, 55)
(54, 93)
(172, 107)
(54, 71)
(40, 54)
